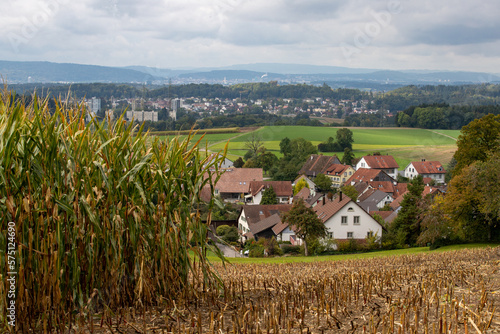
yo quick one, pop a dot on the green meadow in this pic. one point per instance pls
(356, 256)
(405, 145)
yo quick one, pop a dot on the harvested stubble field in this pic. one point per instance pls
(450, 292)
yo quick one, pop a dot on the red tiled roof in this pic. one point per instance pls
(304, 193)
(336, 169)
(383, 214)
(385, 186)
(318, 164)
(281, 188)
(237, 180)
(330, 208)
(397, 201)
(381, 161)
(428, 167)
(364, 175)
(400, 189)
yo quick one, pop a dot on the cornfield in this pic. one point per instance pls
(449, 292)
(104, 218)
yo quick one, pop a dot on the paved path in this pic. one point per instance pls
(228, 251)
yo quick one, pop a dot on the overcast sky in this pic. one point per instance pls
(382, 34)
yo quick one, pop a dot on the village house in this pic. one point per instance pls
(345, 219)
(318, 164)
(384, 163)
(429, 170)
(257, 221)
(283, 190)
(234, 183)
(339, 174)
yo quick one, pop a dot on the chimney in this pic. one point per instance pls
(340, 196)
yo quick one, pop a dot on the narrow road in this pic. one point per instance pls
(442, 134)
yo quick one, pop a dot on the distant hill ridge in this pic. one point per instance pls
(48, 72)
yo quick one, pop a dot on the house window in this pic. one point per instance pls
(356, 220)
(330, 235)
(350, 235)
(369, 234)
(344, 220)
(350, 210)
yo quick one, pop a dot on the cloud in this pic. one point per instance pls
(183, 33)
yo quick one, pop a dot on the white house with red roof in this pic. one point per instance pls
(384, 163)
(428, 169)
(282, 189)
(345, 219)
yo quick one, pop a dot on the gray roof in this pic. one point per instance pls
(265, 224)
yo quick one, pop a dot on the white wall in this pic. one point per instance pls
(366, 223)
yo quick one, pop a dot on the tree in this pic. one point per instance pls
(345, 138)
(350, 192)
(323, 183)
(238, 163)
(406, 227)
(269, 197)
(299, 186)
(254, 143)
(476, 140)
(473, 200)
(305, 222)
(285, 148)
(266, 161)
(437, 227)
(348, 156)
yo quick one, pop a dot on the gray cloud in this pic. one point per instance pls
(181, 33)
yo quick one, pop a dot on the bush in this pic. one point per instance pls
(348, 246)
(256, 251)
(290, 249)
(228, 233)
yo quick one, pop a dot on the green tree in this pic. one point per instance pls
(266, 161)
(348, 156)
(323, 183)
(299, 186)
(238, 163)
(269, 197)
(345, 138)
(476, 141)
(285, 148)
(406, 227)
(305, 222)
(473, 200)
(350, 192)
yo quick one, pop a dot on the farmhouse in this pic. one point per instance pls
(318, 164)
(253, 221)
(345, 219)
(384, 163)
(427, 169)
(234, 183)
(283, 190)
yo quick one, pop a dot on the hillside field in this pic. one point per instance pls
(405, 145)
